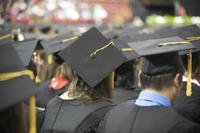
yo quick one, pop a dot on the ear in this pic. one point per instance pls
(177, 82)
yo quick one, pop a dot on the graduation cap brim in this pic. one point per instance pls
(55, 45)
(25, 50)
(151, 47)
(92, 69)
(16, 89)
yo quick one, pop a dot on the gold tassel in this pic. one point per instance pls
(70, 39)
(32, 115)
(50, 59)
(112, 80)
(37, 80)
(189, 75)
(173, 43)
(127, 49)
(100, 49)
(6, 36)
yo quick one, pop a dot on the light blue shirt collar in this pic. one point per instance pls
(148, 98)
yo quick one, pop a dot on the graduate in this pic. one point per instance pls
(160, 80)
(16, 86)
(80, 109)
(58, 83)
(126, 87)
(187, 104)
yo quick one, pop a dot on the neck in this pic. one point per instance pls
(164, 93)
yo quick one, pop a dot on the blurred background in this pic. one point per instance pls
(80, 14)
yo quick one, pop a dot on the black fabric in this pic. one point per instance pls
(130, 118)
(4, 32)
(159, 65)
(130, 55)
(39, 117)
(91, 67)
(17, 89)
(25, 50)
(154, 47)
(74, 116)
(55, 45)
(46, 93)
(189, 107)
(121, 95)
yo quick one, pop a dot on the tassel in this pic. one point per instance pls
(189, 75)
(32, 115)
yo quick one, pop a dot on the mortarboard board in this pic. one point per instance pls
(126, 50)
(108, 32)
(160, 46)
(58, 43)
(6, 35)
(93, 57)
(25, 50)
(190, 33)
(15, 82)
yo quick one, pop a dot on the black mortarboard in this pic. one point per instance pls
(25, 50)
(93, 57)
(126, 38)
(58, 43)
(6, 35)
(126, 50)
(17, 89)
(160, 46)
(161, 55)
(108, 32)
(190, 33)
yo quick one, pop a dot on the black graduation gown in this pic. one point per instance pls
(122, 95)
(189, 107)
(130, 118)
(42, 98)
(63, 116)
(46, 93)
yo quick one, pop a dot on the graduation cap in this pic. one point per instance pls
(126, 50)
(160, 46)
(15, 83)
(6, 35)
(108, 32)
(58, 43)
(161, 55)
(25, 50)
(93, 57)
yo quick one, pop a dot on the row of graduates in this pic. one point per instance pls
(76, 86)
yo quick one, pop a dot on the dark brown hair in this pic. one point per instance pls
(158, 82)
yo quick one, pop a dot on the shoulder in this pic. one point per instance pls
(186, 127)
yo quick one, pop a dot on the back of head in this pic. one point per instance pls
(159, 71)
(78, 89)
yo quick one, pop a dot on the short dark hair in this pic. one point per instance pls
(158, 82)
